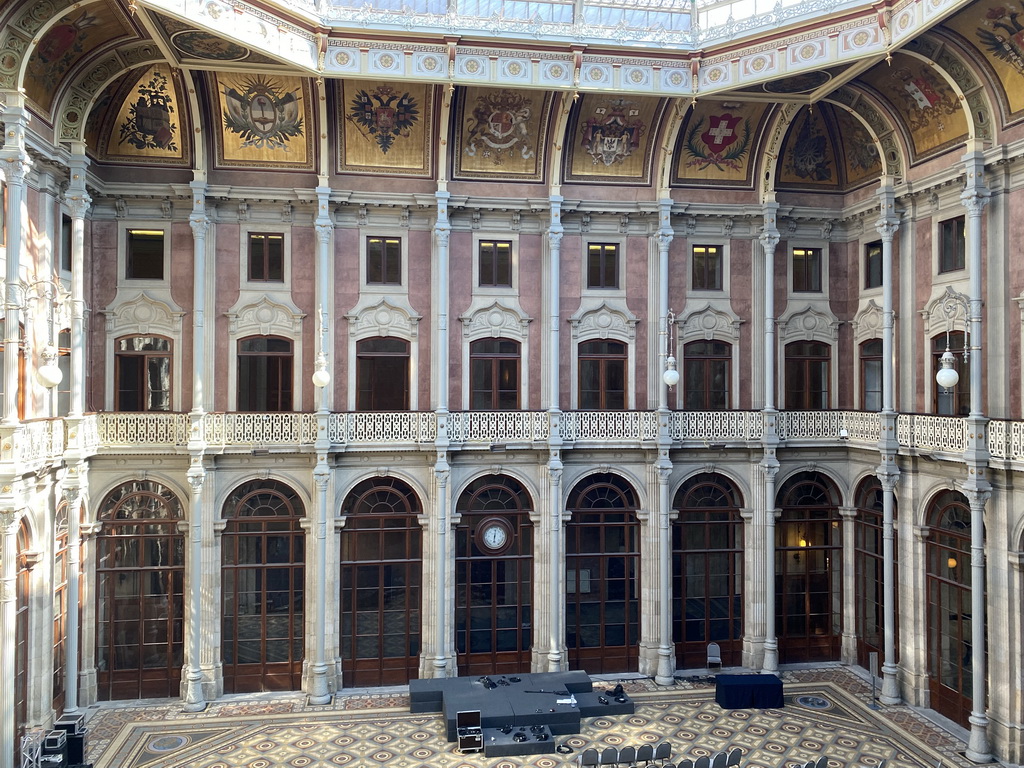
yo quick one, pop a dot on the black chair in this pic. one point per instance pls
(589, 758)
(687, 763)
(714, 656)
(609, 756)
(627, 756)
(822, 762)
(719, 760)
(663, 751)
(645, 754)
(734, 758)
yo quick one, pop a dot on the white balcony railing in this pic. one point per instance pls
(46, 440)
(946, 434)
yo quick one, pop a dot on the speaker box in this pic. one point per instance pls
(76, 749)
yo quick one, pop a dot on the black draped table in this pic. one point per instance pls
(748, 691)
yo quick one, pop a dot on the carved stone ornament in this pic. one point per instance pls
(143, 314)
(265, 318)
(868, 323)
(810, 325)
(709, 323)
(609, 320)
(495, 321)
(383, 319)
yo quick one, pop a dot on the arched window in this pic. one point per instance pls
(807, 375)
(140, 572)
(869, 568)
(706, 375)
(602, 576)
(493, 577)
(265, 374)
(809, 570)
(602, 375)
(957, 400)
(494, 375)
(950, 652)
(381, 575)
(263, 555)
(382, 374)
(142, 372)
(707, 571)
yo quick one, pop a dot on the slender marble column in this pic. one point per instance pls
(887, 471)
(977, 489)
(666, 648)
(16, 166)
(770, 440)
(556, 565)
(8, 633)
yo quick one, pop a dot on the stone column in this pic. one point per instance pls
(78, 202)
(556, 539)
(848, 649)
(888, 446)
(665, 674)
(192, 673)
(769, 239)
(977, 489)
(319, 690)
(8, 633)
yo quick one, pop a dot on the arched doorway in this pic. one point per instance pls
(808, 570)
(602, 576)
(493, 578)
(141, 573)
(869, 572)
(262, 590)
(381, 574)
(950, 653)
(707, 571)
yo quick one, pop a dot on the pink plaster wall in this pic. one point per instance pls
(101, 245)
(420, 270)
(571, 271)
(741, 301)
(531, 277)
(460, 295)
(181, 280)
(346, 294)
(228, 287)
(636, 273)
(304, 258)
(923, 269)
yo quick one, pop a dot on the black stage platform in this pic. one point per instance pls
(519, 714)
(749, 692)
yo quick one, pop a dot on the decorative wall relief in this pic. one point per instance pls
(611, 139)
(385, 127)
(501, 133)
(716, 143)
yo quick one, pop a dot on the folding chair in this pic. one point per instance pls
(645, 754)
(734, 758)
(702, 762)
(686, 763)
(589, 758)
(663, 752)
(609, 756)
(714, 655)
(627, 756)
(822, 762)
(719, 759)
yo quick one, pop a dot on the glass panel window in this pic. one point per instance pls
(266, 258)
(65, 243)
(144, 254)
(602, 375)
(871, 375)
(495, 264)
(807, 270)
(382, 374)
(383, 261)
(873, 264)
(142, 373)
(602, 265)
(955, 401)
(952, 245)
(707, 267)
(706, 375)
(64, 364)
(494, 375)
(807, 375)
(264, 374)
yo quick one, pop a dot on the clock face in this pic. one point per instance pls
(493, 535)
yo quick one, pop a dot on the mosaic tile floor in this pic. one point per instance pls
(826, 712)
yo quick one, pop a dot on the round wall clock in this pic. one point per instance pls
(493, 534)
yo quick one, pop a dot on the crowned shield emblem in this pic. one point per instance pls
(498, 129)
(384, 114)
(262, 113)
(613, 133)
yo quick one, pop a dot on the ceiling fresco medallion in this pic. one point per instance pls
(200, 45)
(798, 83)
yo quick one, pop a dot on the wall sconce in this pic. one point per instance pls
(49, 373)
(953, 302)
(321, 376)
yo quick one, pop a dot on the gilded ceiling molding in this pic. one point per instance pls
(80, 96)
(882, 132)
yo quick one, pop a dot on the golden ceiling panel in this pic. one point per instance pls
(501, 134)
(611, 139)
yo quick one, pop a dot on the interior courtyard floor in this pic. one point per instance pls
(827, 711)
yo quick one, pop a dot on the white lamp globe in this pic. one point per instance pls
(947, 377)
(321, 378)
(671, 375)
(49, 375)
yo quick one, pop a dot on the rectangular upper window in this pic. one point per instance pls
(266, 257)
(951, 245)
(707, 269)
(144, 254)
(495, 264)
(807, 270)
(66, 231)
(873, 264)
(383, 261)
(602, 265)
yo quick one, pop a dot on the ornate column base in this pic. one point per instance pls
(195, 701)
(978, 749)
(666, 674)
(770, 665)
(319, 693)
(890, 685)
